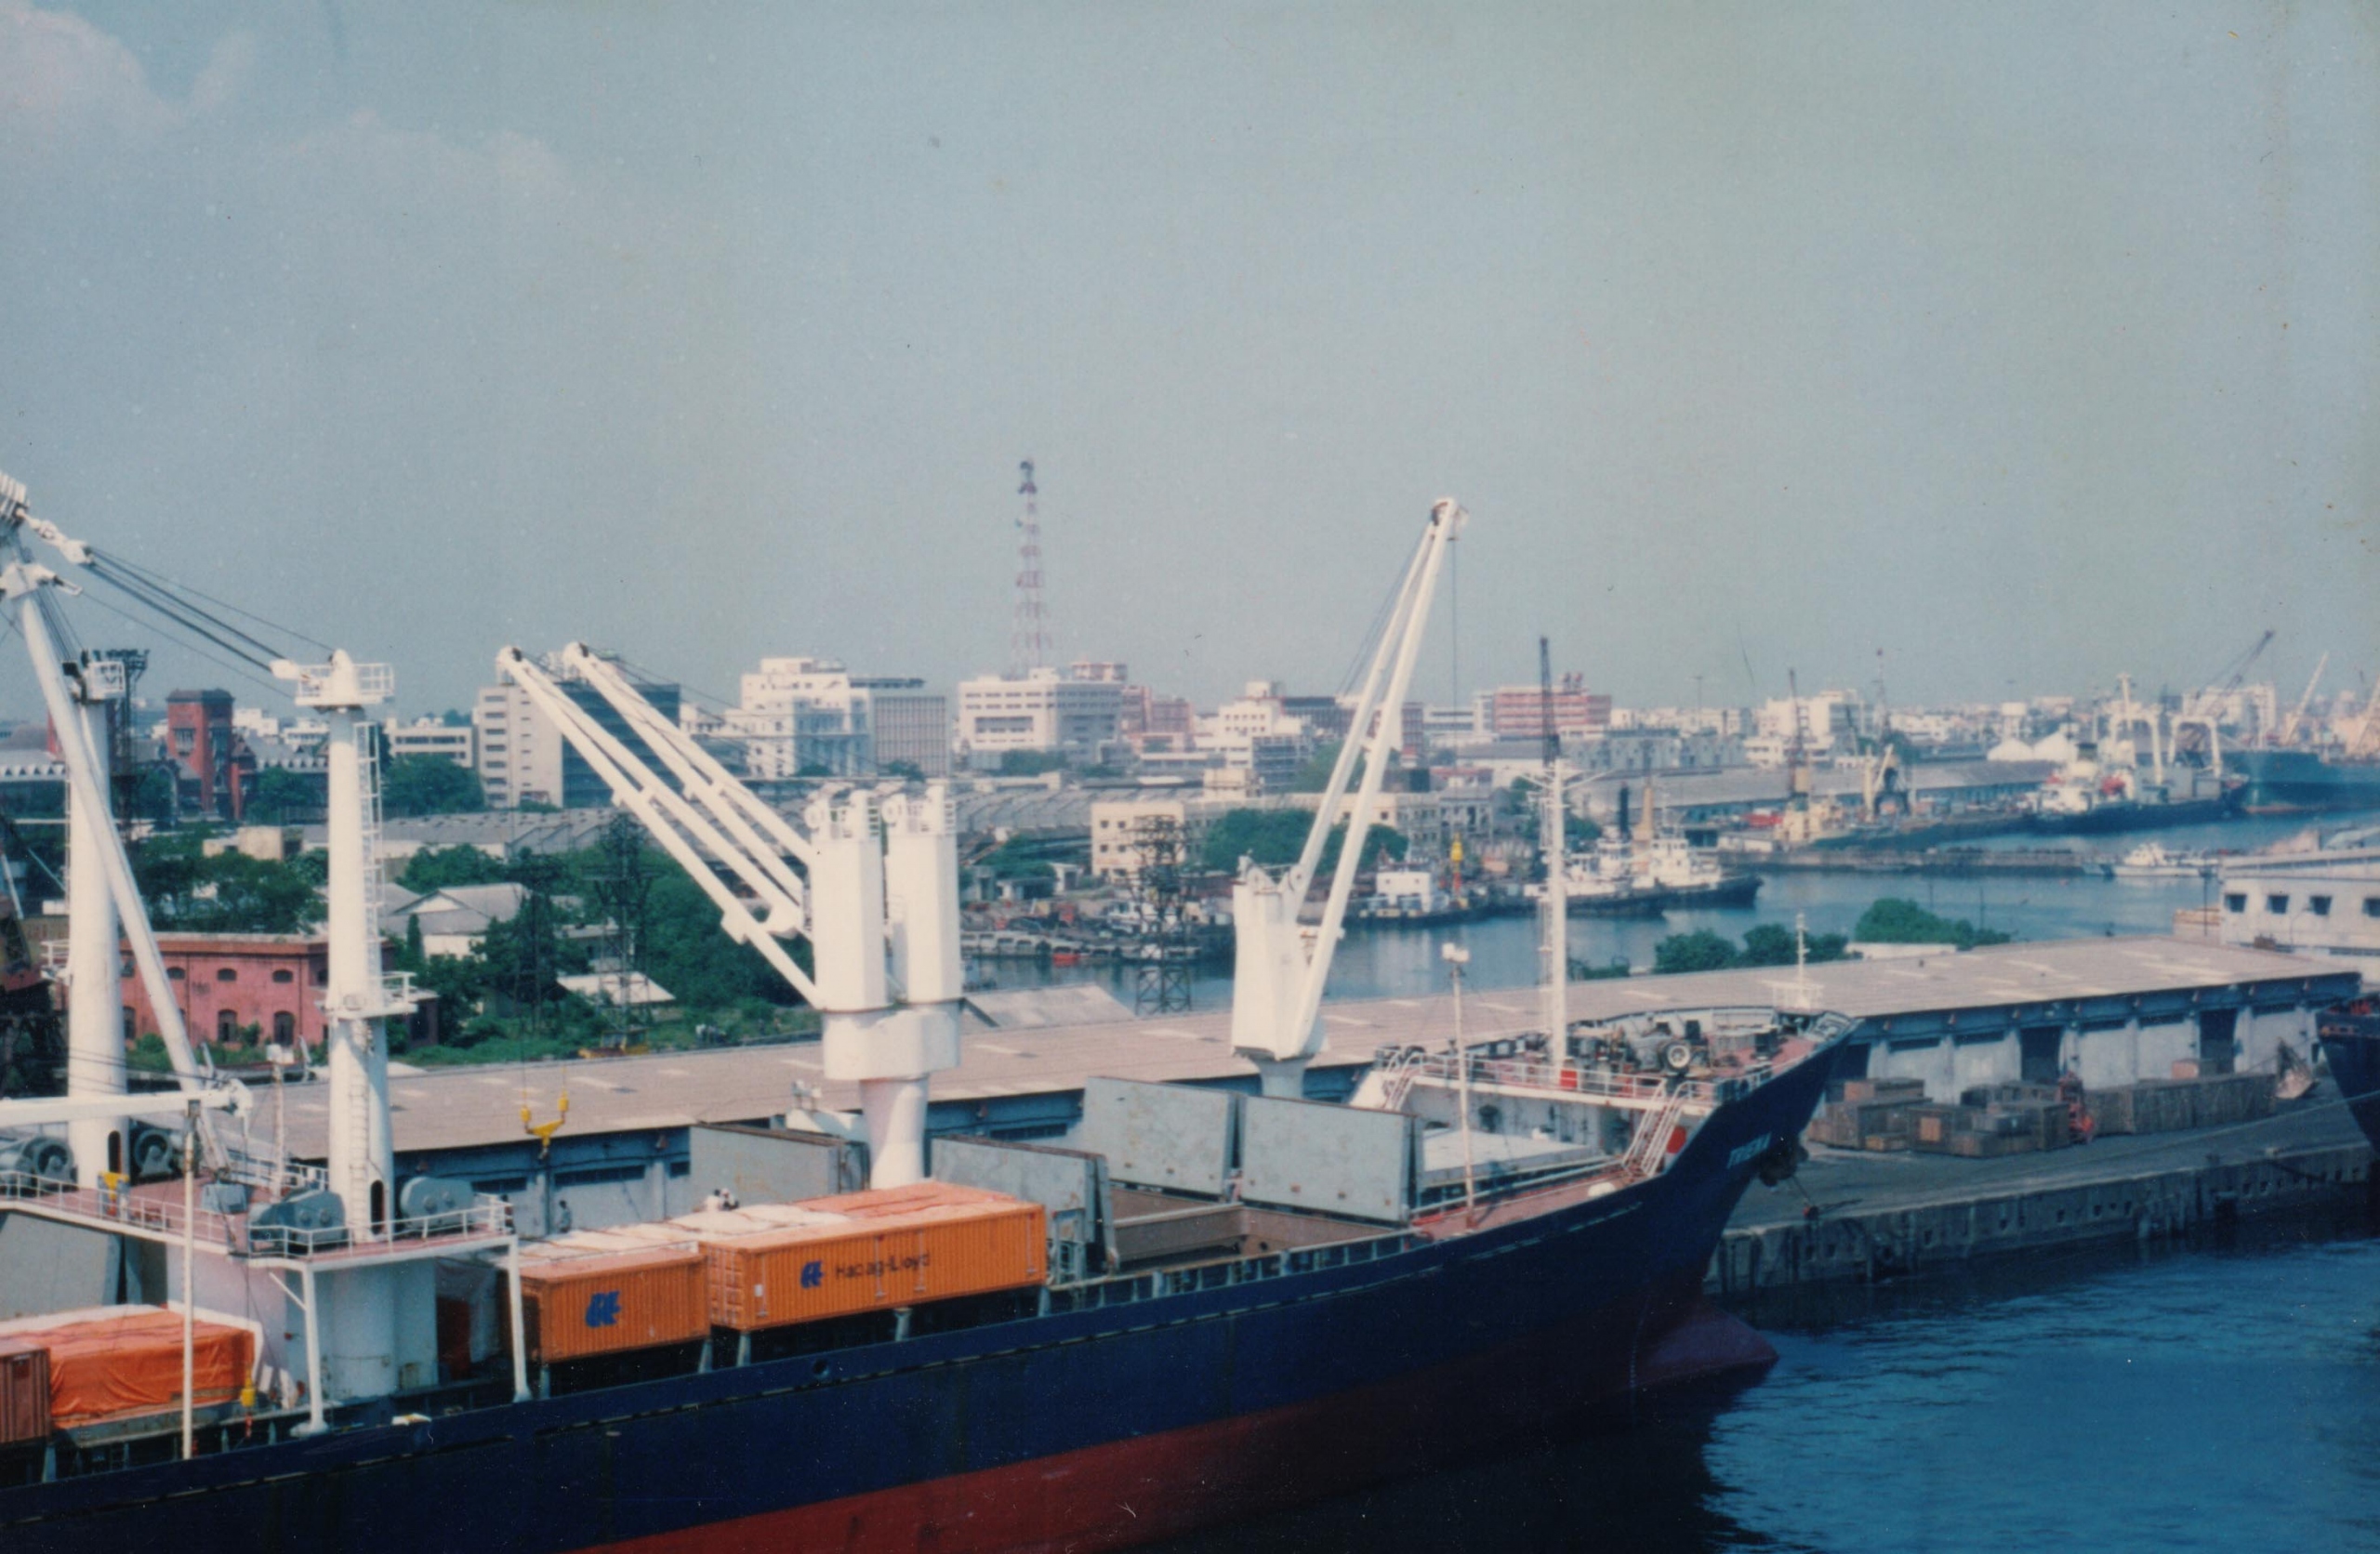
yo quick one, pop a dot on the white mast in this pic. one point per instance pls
(1554, 848)
(95, 1033)
(358, 1306)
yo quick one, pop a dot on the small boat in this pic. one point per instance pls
(2151, 861)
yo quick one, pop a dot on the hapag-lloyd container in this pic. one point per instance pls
(599, 1292)
(777, 1264)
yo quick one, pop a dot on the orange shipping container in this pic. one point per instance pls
(120, 1361)
(772, 1265)
(598, 1293)
(24, 1391)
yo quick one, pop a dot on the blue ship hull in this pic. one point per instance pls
(1079, 1429)
(2307, 779)
(2351, 1044)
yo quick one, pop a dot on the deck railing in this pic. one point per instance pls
(162, 1217)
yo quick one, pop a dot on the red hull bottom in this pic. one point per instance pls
(1159, 1486)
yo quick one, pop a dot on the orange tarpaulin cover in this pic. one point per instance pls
(115, 1366)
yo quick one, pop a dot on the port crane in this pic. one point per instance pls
(857, 879)
(2365, 740)
(1280, 965)
(2198, 737)
(2297, 714)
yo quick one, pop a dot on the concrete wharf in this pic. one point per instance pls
(1886, 1214)
(1950, 860)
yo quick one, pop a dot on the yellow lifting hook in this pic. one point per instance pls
(544, 1132)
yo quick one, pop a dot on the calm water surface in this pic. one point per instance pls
(2224, 1400)
(1404, 963)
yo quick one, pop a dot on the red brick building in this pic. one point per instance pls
(217, 769)
(224, 983)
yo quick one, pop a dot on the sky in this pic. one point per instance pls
(2022, 345)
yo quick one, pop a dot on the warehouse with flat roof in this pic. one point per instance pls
(2113, 1009)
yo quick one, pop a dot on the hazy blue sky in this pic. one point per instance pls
(2029, 344)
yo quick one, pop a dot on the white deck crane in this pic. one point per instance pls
(101, 897)
(1279, 967)
(849, 894)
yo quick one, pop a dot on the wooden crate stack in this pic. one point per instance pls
(2170, 1105)
(1872, 1114)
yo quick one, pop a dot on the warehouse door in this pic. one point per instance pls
(2038, 1057)
(2215, 1029)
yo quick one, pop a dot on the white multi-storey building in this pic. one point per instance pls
(1044, 711)
(802, 715)
(524, 759)
(459, 743)
(1825, 716)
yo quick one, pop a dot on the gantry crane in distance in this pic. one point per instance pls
(886, 1028)
(1279, 966)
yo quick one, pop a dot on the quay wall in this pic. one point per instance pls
(2008, 1218)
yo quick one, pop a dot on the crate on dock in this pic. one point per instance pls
(2043, 1122)
(2171, 1105)
(1933, 1127)
(1893, 1091)
(1849, 1125)
(1880, 1143)
(2008, 1092)
(2220, 1099)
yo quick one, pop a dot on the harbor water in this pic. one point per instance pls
(1394, 962)
(2223, 1398)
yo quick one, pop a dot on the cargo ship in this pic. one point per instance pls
(1300, 1355)
(2350, 1038)
(1197, 1304)
(2291, 781)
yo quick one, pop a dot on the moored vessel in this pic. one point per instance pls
(1199, 1304)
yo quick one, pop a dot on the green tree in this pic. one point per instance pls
(1698, 951)
(687, 954)
(1275, 838)
(1894, 920)
(153, 798)
(230, 892)
(1773, 944)
(1272, 837)
(284, 798)
(1031, 763)
(429, 785)
(436, 868)
(908, 771)
(1314, 775)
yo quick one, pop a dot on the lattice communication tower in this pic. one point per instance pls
(1029, 647)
